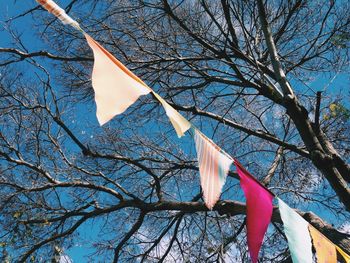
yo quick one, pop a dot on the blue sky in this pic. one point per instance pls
(22, 26)
(331, 84)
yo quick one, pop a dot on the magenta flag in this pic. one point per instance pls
(259, 210)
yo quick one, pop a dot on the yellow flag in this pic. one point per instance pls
(181, 125)
(325, 249)
(345, 256)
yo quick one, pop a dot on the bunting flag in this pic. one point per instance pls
(116, 88)
(57, 11)
(213, 167)
(259, 210)
(345, 256)
(296, 230)
(325, 250)
(181, 125)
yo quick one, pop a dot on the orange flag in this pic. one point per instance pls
(325, 249)
(116, 88)
(344, 255)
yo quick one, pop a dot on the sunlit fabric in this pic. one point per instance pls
(297, 233)
(57, 11)
(213, 168)
(65, 259)
(259, 210)
(325, 249)
(180, 124)
(345, 256)
(116, 88)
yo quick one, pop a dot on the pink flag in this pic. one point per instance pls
(259, 210)
(116, 88)
(213, 167)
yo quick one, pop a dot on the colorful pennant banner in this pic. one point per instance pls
(117, 88)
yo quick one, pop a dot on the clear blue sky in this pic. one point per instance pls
(9, 9)
(23, 25)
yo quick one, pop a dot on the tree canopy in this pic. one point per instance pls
(266, 80)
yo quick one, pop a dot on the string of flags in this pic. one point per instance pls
(116, 88)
